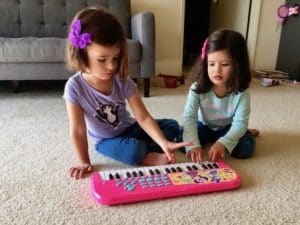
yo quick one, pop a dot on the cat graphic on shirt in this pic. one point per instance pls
(108, 113)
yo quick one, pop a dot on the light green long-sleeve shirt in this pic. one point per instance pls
(216, 113)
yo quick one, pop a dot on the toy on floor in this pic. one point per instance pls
(149, 183)
(269, 82)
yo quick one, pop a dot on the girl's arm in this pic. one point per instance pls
(239, 124)
(190, 119)
(238, 128)
(79, 140)
(148, 123)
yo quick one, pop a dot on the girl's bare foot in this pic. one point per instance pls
(155, 159)
(254, 132)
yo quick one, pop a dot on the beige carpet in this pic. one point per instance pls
(36, 153)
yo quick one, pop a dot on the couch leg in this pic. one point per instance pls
(15, 85)
(146, 82)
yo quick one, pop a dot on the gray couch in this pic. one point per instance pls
(33, 36)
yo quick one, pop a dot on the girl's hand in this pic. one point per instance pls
(216, 151)
(169, 148)
(195, 154)
(79, 172)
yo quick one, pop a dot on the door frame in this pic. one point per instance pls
(253, 29)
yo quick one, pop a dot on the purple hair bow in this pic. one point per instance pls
(204, 48)
(79, 40)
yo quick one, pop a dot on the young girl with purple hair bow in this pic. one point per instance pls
(96, 99)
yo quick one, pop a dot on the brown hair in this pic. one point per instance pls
(236, 46)
(106, 30)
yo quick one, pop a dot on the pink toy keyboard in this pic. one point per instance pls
(154, 182)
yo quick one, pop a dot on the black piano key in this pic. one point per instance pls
(128, 174)
(157, 171)
(173, 169)
(194, 167)
(168, 170)
(151, 172)
(118, 176)
(204, 166)
(215, 165)
(189, 168)
(179, 169)
(210, 166)
(141, 173)
(134, 174)
(111, 176)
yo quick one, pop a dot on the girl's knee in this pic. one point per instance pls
(170, 128)
(168, 123)
(130, 151)
(241, 155)
(244, 149)
(134, 154)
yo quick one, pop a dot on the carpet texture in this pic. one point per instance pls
(36, 154)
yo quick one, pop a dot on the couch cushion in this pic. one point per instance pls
(32, 49)
(47, 50)
(134, 50)
(50, 18)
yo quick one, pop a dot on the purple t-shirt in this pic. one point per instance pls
(106, 116)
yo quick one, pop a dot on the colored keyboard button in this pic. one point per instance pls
(130, 187)
(149, 179)
(119, 183)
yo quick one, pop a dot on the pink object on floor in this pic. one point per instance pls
(150, 183)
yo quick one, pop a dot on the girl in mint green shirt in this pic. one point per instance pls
(218, 104)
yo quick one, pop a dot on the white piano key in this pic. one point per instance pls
(146, 170)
